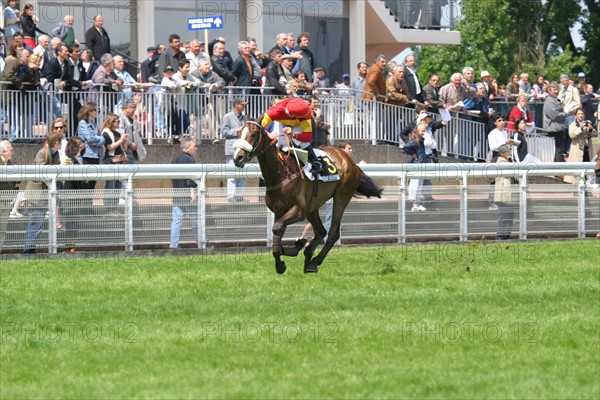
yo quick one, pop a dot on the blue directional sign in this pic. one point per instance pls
(205, 23)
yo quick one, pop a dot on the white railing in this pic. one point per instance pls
(144, 216)
(162, 114)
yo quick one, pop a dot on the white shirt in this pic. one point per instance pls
(496, 138)
(417, 84)
(429, 142)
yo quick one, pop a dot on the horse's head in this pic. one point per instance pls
(251, 141)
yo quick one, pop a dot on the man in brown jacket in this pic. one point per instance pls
(375, 83)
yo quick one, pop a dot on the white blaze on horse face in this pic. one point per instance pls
(245, 133)
(244, 140)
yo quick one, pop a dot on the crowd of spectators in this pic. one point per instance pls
(57, 63)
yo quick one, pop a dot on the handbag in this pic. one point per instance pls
(119, 159)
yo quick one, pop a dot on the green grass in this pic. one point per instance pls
(458, 321)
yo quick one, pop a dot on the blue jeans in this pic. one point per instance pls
(178, 214)
(235, 187)
(34, 227)
(111, 202)
(506, 215)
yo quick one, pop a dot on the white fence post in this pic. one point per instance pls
(129, 213)
(523, 207)
(464, 215)
(53, 203)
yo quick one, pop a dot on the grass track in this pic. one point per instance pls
(385, 322)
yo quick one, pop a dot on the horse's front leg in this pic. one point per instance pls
(339, 205)
(293, 215)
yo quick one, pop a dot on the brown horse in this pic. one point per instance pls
(292, 197)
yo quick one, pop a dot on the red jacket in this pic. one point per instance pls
(278, 113)
(515, 114)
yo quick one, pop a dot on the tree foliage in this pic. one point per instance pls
(530, 36)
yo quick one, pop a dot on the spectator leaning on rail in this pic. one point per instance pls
(295, 113)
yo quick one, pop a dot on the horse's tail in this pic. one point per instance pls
(367, 187)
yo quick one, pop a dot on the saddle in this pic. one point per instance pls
(329, 171)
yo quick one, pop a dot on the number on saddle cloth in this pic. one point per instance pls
(329, 171)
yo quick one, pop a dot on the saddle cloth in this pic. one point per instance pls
(329, 172)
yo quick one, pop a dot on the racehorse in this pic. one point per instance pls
(293, 198)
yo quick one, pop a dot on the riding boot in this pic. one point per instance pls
(312, 159)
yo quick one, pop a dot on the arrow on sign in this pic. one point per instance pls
(218, 22)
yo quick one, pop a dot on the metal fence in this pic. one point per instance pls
(137, 218)
(161, 114)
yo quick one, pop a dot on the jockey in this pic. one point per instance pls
(294, 113)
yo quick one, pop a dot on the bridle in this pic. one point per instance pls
(251, 153)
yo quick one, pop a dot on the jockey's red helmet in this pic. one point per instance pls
(298, 108)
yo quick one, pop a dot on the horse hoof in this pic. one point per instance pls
(311, 269)
(280, 267)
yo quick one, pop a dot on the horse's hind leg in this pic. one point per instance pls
(320, 232)
(339, 205)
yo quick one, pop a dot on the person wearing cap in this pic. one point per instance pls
(343, 89)
(320, 80)
(296, 116)
(581, 82)
(196, 54)
(145, 67)
(504, 196)
(231, 130)
(287, 63)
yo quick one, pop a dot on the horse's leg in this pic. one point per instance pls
(339, 205)
(320, 232)
(293, 215)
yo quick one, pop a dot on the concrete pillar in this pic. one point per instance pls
(358, 34)
(254, 12)
(144, 29)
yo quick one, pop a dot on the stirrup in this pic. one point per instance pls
(316, 167)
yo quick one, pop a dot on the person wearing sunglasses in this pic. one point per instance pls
(496, 138)
(59, 127)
